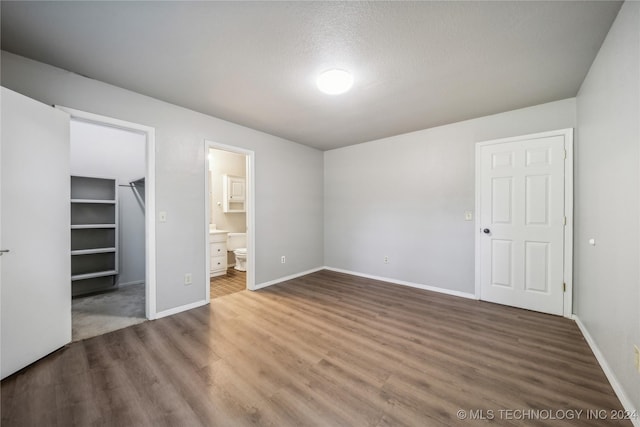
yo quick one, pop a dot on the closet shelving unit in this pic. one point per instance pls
(94, 234)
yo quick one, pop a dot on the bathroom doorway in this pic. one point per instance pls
(229, 219)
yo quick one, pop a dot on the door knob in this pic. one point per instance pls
(486, 231)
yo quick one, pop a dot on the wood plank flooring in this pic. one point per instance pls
(232, 282)
(327, 349)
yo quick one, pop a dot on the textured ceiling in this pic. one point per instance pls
(416, 64)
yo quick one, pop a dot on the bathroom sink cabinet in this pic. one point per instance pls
(218, 253)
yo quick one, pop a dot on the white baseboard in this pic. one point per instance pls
(284, 279)
(404, 283)
(182, 308)
(627, 404)
(135, 282)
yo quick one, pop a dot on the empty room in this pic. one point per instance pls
(335, 213)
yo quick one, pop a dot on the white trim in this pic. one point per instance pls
(568, 210)
(135, 282)
(150, 197)
(568, 229)
(405, 283)
(284, 279)
(477, 225)
(207, 215)
(180, 309)
(250, 211)
(627, 404)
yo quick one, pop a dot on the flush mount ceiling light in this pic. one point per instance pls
(334, 82)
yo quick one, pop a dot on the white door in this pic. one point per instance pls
(522, 220)
(34, 227)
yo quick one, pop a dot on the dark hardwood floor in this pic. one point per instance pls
(326, 349)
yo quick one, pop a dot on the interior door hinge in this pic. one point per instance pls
(565, 153)
(565, 220)
(564, 287)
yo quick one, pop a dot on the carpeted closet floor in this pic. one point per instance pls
(95, 315)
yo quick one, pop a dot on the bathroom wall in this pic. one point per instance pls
(105, 151)
(285, 171)
(225, 163)
(607, 203)
(405, 197)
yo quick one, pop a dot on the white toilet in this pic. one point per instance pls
(237, 242)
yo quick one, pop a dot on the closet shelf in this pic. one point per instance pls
(92, 251)
(94, 274)
(94, 201)
(94, 234)
(85, 226)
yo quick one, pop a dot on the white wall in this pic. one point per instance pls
(405, 197)
(289, 184)
(105, 151)
(607, 278)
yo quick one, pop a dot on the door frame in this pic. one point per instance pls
(250, 211)
(150, 195)
(568, 209)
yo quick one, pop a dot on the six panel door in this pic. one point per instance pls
(522, 223)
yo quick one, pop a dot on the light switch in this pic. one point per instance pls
(468, 215)
(592, 242)
(162, 216)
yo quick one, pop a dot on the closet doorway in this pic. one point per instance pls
(110, 239)
(229, 213)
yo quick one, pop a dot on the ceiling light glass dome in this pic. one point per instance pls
(335, 81)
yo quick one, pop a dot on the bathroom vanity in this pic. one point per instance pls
(218, 252)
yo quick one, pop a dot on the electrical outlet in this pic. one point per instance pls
(636, 350)
(188, 279)
(283, 259)
(386, 260)
(468, 215)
